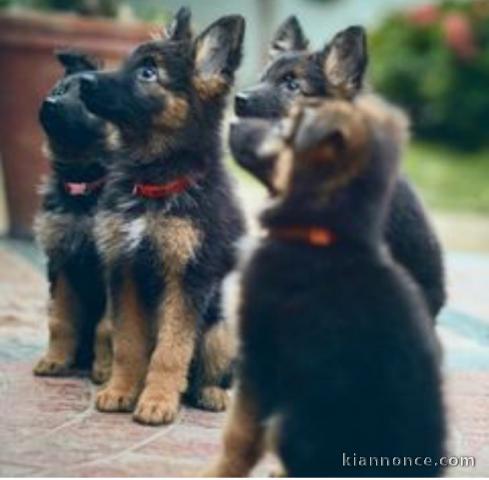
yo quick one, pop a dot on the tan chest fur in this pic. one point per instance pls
(175, 238)
(53, 229)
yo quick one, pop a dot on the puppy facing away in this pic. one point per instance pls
(168, 220)
(338, 72)
(77, 144)
(338, 356)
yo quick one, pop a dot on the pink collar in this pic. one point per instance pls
(76, 189)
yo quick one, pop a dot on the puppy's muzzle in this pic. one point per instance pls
(241, 103)
(88, 84)
(50, 111)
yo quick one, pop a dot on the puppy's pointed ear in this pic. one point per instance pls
(344, 62)
(217, 55)
(288, 37)
(75, 62)
(180, 28)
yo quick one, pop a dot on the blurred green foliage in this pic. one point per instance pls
(434, 61)
(447, 179)
(105, 8)
(130, 9)
(149, 12)
(101, 8)
(144, 11)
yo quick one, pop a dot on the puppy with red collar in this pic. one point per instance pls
(338, 355)
(168, 222)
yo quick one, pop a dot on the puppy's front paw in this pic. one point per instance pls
(219, 469)
(278, 473)
(112, 399)
(100, 374)
(210, 473)
(52, 367)
(215, 399)
(156, 410)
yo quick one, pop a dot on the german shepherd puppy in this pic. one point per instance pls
(78, 147)
(337, 71)
(168, 220)
(338, 357)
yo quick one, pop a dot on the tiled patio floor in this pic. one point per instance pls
(50, 426)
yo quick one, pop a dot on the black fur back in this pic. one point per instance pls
(339, 346)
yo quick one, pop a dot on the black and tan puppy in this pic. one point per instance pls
(337, 72)
(338, 357)
(168, 221)
(77, 143)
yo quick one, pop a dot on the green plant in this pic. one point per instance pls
(449, 179)
(106, 8)
(434, 61)
(150, 12)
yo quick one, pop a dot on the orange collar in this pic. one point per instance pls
(149, 190)
(315, 236)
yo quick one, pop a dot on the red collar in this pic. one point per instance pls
(76, 189)
(149, 190)
(315, 236)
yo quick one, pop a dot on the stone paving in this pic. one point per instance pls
(50, 426)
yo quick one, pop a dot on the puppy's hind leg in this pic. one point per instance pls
(61, 352)
(215, 370)
(213, 365)
(243, 440)
(102, 363)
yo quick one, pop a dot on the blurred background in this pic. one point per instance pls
(431, 58)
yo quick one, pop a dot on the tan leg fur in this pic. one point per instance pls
(102, 363)
(166, 379)
(62, 331)
(243, 440)
(218, 352)
(130, 341)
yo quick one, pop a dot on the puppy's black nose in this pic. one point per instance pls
(88, 81)
(241, 101)
(50, 104)
(50, 112)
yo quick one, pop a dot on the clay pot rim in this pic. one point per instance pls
(31, 30)
(68, 24)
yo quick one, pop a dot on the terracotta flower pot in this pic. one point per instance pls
(28, 71)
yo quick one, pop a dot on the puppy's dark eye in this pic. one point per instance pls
(147, 74)
(291, 83)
